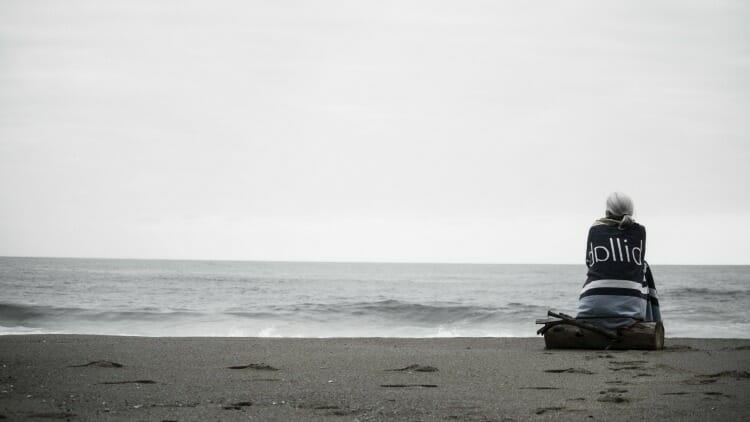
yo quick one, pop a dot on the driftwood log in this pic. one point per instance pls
(644, 336)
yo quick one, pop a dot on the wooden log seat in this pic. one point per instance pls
(642, 336)
(565, 332)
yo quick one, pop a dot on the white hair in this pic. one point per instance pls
(620, 205)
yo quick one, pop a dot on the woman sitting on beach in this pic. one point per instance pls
(619, 290)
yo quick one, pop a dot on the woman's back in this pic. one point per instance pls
(615, 252)
(615, 293)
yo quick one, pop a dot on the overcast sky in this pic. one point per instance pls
(438, 131)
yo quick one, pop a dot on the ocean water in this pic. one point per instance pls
(283, 299)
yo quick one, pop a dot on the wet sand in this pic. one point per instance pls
(65, 377)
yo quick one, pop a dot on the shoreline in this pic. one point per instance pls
(77, 377)
(388, 338)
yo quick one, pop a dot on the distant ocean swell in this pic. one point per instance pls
(275, 320)
(708, 293)
(288, 299)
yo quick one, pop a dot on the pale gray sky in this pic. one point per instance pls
(447, 131)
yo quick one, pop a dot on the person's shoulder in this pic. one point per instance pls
(596, 225)
(637, 227)
(608, 225)
(600, 227)
(604, 222)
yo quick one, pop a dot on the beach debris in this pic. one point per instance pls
(415, 368)
(408, 385)
(100, 364)
(130, 382)
(257, 366)
(570, 371)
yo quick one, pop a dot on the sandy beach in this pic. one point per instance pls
(70, 377)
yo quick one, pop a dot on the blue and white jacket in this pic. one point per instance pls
(619, 290)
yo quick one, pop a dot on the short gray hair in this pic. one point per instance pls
(620, 205)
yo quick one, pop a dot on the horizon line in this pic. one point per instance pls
(281, 261)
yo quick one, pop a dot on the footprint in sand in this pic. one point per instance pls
(415, 368)
(611, 398)
(614, 390)
(257, 366)
(627, 362)
(618, 382)
(712, 378)
(627, 365)
(699, 381)
(130, 382)
(569, 371)
(590, 357)
(238, 406)
(408, 385)
(738, 375)
(100, 364)
(715, 395)
(543, 410)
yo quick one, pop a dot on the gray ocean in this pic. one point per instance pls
(294, 299)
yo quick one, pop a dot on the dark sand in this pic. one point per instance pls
(473, 379)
